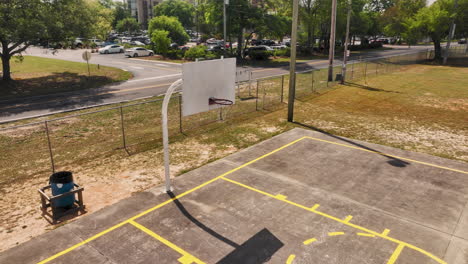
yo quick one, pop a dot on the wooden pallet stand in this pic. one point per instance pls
(57, 212)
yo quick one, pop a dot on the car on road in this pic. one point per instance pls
(111, 49)
(138, 52)
(257, 48)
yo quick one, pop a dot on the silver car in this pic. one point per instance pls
(111, 49)
(138, 52)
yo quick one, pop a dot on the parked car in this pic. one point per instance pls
(79, 42)
(462, 41)
(278, 46)
(258, 48)
(215, 48)
(111, 49)
(137, 43)
(138, 52)
(98, 42)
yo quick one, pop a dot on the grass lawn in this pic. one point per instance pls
(418, 108)
(39, 76)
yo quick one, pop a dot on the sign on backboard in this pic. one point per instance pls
(207, 79)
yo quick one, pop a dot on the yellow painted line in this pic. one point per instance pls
(134, 89)
(281, 197)
(335, 233)
(308, 241)
(385, 232)
(315, 207)
(82, 243)
(395, 254)
(348, 218)
(269, 69)
(382, 235)
(365, 234)
(389, 155)
(166, 202)
(290, 259)
(84, 96)
(186, 258)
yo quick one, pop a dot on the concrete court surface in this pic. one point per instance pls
(300, 197)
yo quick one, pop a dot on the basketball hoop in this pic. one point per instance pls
(218, 101)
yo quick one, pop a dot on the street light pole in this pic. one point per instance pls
(292, 63)
(331, 54)
(225, 2)
(345, 56)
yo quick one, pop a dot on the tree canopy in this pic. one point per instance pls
(23, 23)
(180, 9)
(170, 24)
(128, 24)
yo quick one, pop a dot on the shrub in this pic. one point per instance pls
(161, 41)
(283, 52)
(260, 54)
(196, 52)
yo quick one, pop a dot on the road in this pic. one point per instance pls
(150, 79)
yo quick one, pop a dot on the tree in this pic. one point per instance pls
(121, 12)
(180, 9)
(170, 24)
(23, 23)
(395, 18)
(161, 41)
(128, 24)
(103, 17)
(434, 22)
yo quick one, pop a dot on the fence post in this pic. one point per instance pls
(313, 80)
(256, 98)
(264, 94)
(250, 83)
(50, 147)
(376, 68)
(123, 128)
(282, 88)
(365, 73)
(180, 114)
(352, 70)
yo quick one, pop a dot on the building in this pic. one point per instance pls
(142, 10)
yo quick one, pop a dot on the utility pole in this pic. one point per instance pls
(451, 33)
(292, 63)
(225, 2)
(331, 54)
(345, 56)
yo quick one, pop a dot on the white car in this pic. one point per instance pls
(111, 49)
(137, 52)
(98, 42)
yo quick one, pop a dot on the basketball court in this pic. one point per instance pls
(300, 197)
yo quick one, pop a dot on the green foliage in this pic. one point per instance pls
(161, 41)
(171, 25)
(283, 52)
(121, 12)
(260, 54)
(196, 52)
(128, 24)
(180, 9)
(23, 23)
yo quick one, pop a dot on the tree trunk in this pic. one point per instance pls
(239, 45)
(437, 50)
(6, 65)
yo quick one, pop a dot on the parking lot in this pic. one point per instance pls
(301, 197)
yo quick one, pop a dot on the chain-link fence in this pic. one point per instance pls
(66, 143)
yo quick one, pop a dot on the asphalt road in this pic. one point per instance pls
(150, 79)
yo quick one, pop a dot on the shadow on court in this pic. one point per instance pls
(258, 249)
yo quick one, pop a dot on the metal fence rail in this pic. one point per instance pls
(61, 143)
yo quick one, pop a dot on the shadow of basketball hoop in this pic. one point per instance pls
(258, 249)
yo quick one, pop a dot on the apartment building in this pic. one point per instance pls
(142, 10)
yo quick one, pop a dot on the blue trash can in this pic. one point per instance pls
(62, 182)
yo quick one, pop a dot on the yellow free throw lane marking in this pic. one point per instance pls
(335, 233)
(186, 257)
(395, 254)
(385, 232)
(348, 218)
(308, 241)
(315, 207)
(166, 202)
(422, 251)
(290, 259)
(389, 155)
(365, 234)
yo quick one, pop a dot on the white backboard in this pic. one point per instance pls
(204, 80)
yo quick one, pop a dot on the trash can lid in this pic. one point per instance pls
(61, 177)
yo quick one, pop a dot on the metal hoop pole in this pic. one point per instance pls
(165, 131)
